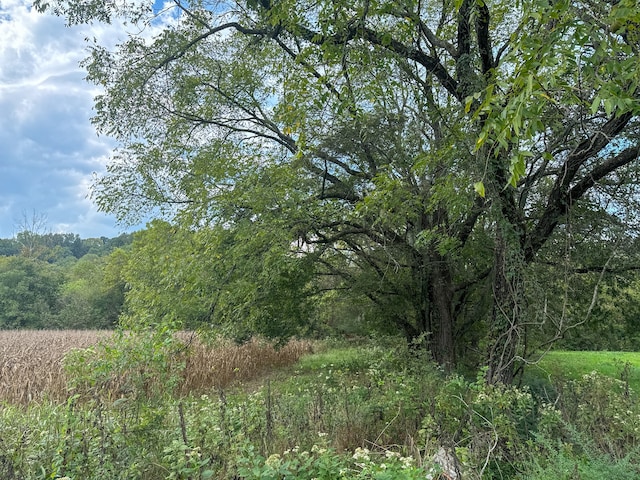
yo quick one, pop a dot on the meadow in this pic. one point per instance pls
(160, 406)
(571, 365)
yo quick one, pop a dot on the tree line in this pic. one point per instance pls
(229, 282)
(58, 280)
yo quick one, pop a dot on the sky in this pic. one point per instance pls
(49, 150)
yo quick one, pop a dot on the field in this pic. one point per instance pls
(566, 365)
(32, 367)
(31, 362)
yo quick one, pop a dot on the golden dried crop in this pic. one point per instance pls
(226, 363)
(31, 362)
(31, 367)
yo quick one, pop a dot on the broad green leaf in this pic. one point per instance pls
(608, 106)
(595, 105)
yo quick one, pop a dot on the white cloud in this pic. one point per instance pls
(48, 147)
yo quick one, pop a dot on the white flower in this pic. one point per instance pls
(361, 454)
(273, 461)
(318, 450)
(407, 462)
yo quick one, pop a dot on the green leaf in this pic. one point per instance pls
(481, 139)
(608, 106)
(467, 104)
(479, 188)
(517, 168)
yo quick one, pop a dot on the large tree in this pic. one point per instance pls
(423, 153)
(29, 292)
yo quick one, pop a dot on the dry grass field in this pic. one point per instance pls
(32, 370)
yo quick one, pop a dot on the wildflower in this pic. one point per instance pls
(407, 462)
(361, 454)
(273, 461)
(318, 450)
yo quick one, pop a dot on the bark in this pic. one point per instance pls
(506, 317)
(441, 299)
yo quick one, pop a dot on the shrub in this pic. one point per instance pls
(486, 425)
(139, 366)
(577, 458)
(604, 409)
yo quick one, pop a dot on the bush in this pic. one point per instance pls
(605, 410)
(577, 459)
(486, 425)
(140, 366)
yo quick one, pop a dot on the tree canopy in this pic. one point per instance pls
(51, 281)
(429, 158)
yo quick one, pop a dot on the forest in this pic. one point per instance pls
(440, 196)
(61, 281)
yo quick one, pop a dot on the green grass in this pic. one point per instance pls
(341, 358)
(566, 365)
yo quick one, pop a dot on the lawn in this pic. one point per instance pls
(557, 365)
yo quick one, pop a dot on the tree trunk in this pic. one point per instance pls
(441, 299)
(506, 322)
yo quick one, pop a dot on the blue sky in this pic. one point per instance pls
(49, 150)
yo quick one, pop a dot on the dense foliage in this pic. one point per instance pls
(202, 279)
(437, 163)
(370, 412)
(61, 281)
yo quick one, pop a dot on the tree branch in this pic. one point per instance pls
(562, 196)
(484, 38)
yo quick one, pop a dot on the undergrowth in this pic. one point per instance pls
(376, 411)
